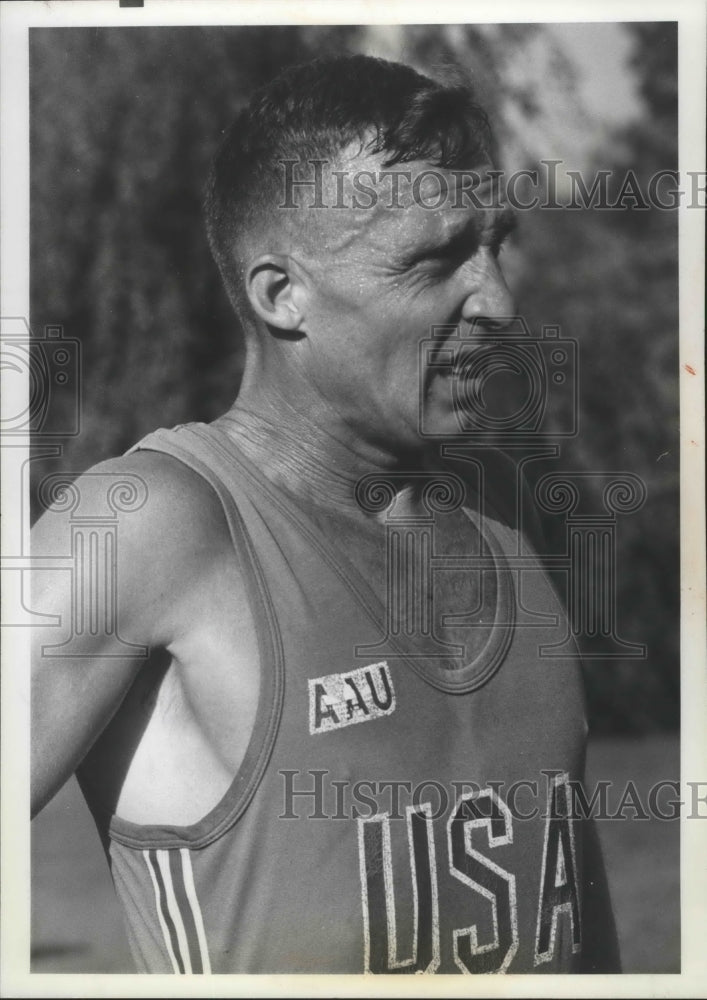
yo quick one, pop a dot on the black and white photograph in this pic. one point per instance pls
(353, 498)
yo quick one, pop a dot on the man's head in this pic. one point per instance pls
(350, 274)
(315, 111)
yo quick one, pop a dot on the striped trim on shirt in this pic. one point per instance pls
(178, 910)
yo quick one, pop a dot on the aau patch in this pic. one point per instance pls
(339, 700)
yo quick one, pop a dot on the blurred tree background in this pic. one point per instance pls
(124, 122)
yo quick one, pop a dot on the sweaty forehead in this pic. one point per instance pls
(369, 207)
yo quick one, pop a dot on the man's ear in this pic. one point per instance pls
(271, 282)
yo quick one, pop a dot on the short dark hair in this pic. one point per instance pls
(314, 110)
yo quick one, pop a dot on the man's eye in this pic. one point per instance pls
(455, 256)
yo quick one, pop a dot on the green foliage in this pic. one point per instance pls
(124, 125)
(609, 278)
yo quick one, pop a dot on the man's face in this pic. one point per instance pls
(383, 275)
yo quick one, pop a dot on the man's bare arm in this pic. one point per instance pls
(74, 697)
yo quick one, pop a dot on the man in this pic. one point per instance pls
(306, 753)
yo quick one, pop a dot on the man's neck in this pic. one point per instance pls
(320, 465)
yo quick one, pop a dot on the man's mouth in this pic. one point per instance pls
(466, 364)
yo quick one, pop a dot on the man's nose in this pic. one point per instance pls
(489, 303)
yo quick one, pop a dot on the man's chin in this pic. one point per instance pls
(441, 417)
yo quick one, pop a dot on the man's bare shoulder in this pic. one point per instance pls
(164, 498)
(171, 534)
